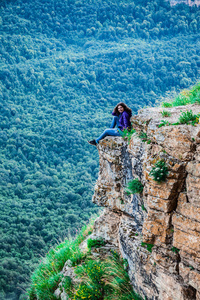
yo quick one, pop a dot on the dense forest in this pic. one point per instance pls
(64, 65)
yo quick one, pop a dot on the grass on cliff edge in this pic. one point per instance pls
(46, 277)
(185, 97)
(98, 279)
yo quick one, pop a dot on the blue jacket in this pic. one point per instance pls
(124, 120)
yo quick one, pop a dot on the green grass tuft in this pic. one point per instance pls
(118, 281)
(134, 186)
(166, 113)
(164, 123)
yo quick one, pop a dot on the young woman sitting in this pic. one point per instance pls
(121, 120)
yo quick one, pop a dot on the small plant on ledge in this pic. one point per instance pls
(147, 246)
(166, 104)
(134, 187)
(144, 208)
(185, 118)
(166, 113)
(164, 123)
(127, 134)
(143, 136)
(175, 250)
(189, 118)
(159, 171)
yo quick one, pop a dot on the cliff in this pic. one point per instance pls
(157, 231)
(155, 228)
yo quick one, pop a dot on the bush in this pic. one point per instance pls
(159, 171)
(105, 280)
(86, 292)
(92, 286)
(134, 187)
(95, 243)
(189, 118)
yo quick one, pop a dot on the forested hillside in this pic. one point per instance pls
(64, 65)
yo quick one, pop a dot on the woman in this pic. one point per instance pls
(121, 120)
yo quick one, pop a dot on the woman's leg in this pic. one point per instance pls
(115, 122)
(108, 132)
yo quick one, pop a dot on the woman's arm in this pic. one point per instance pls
(126, 119)
(114, 114)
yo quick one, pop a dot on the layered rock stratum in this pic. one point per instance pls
(165, 216)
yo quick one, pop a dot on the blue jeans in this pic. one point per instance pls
(112, 131)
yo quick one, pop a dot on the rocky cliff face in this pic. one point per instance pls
(166, 215)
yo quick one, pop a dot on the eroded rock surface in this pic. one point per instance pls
(115, 172)
(166, 215)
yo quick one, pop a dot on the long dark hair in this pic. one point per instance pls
(126, 108)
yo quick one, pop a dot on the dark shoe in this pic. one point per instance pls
(92, 142)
